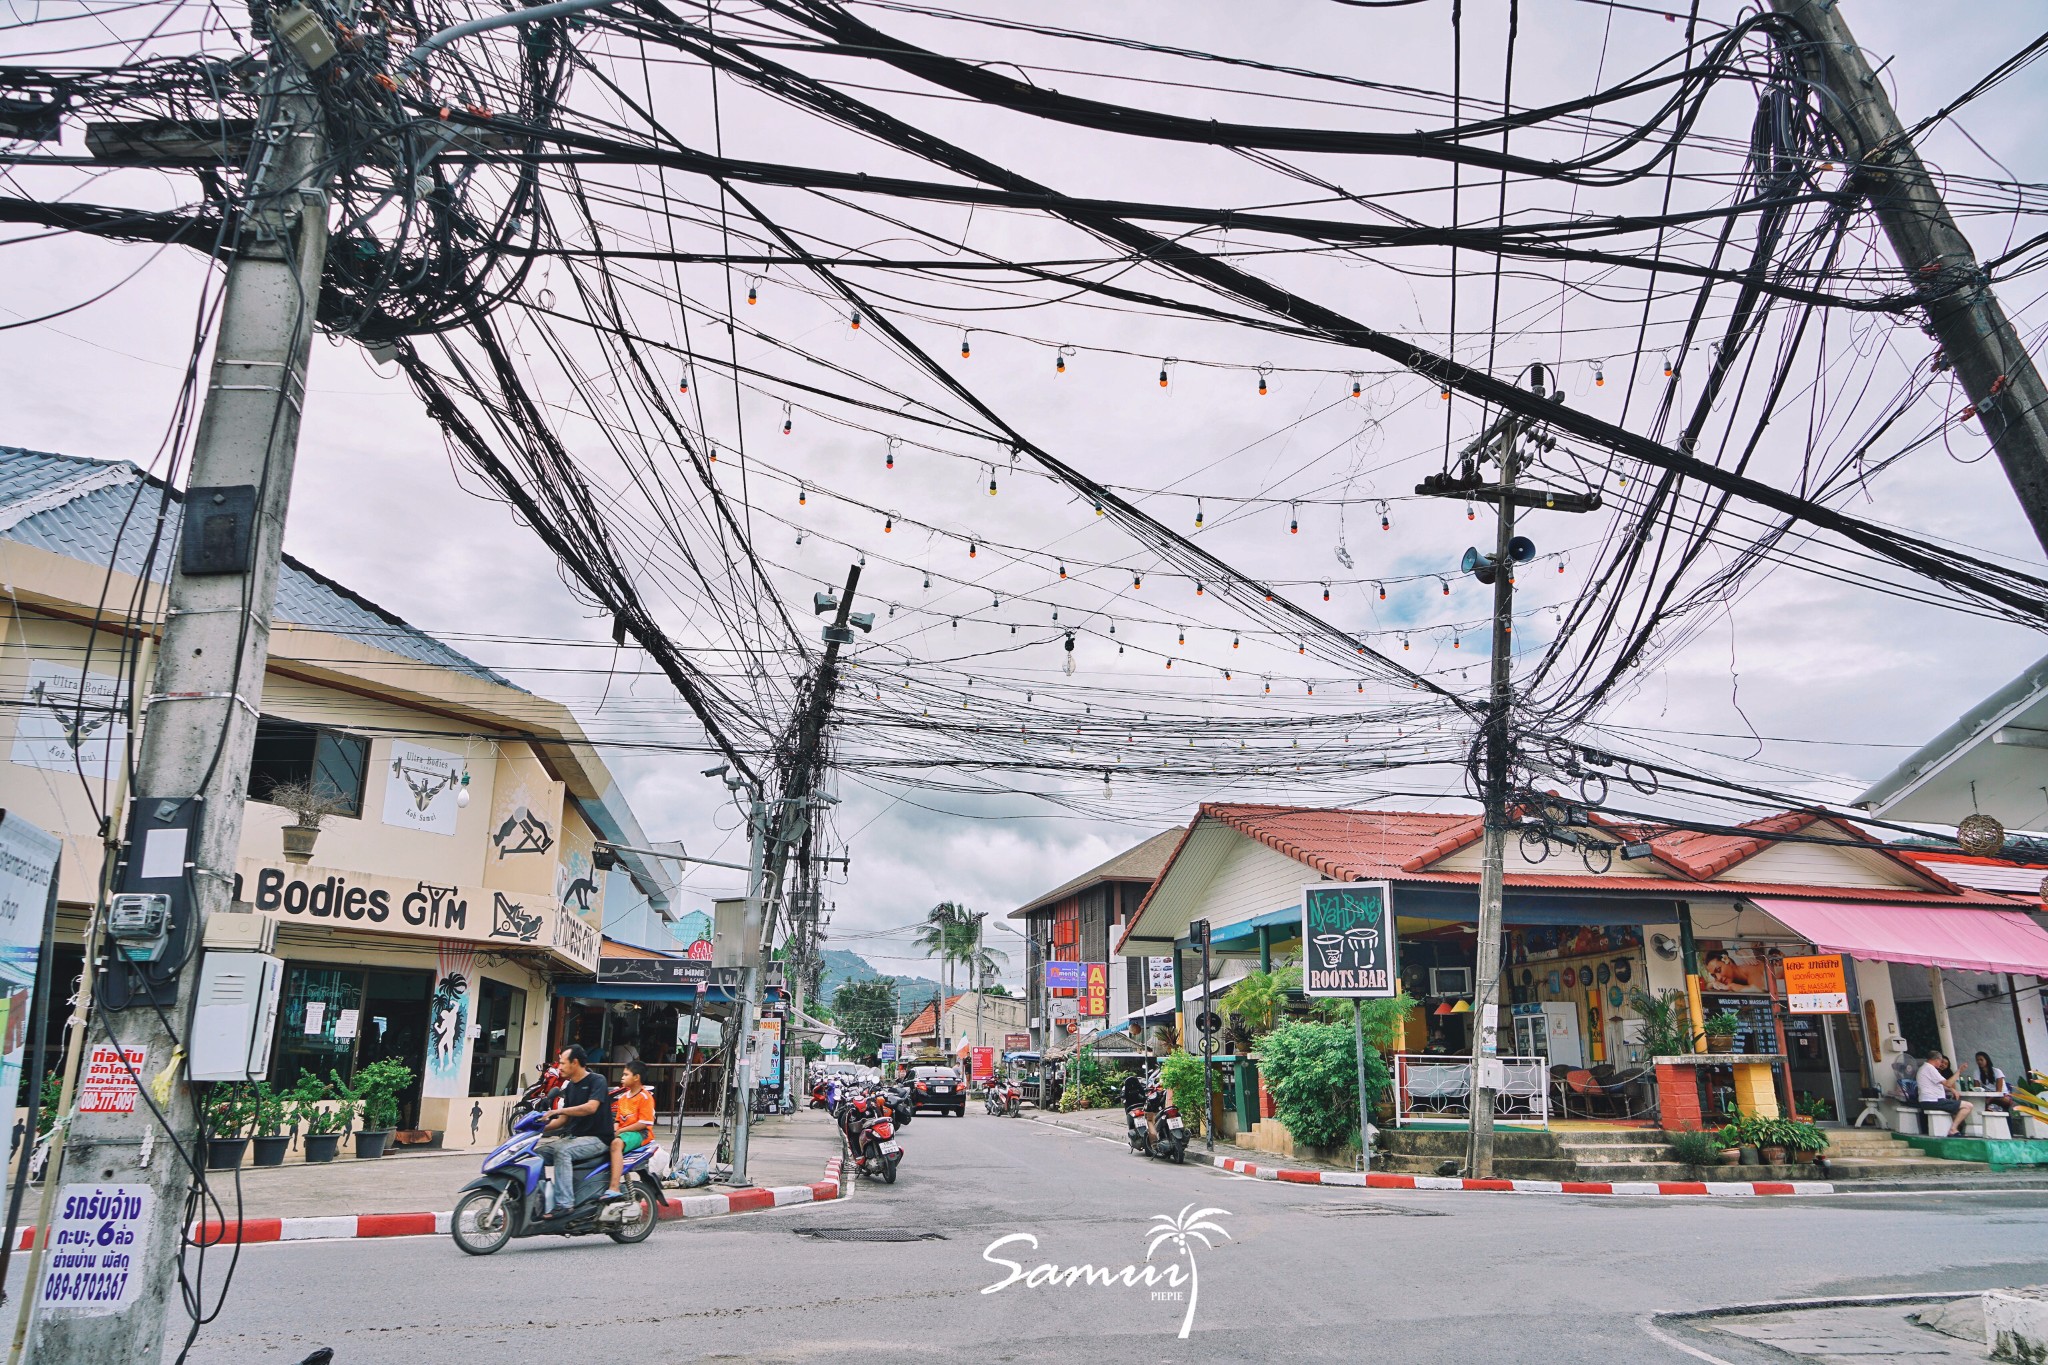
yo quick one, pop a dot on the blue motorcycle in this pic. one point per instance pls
(508, 1199)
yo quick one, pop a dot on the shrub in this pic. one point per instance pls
(1311, 1070)
(1697, 1148)
(378, 1086)
(1181, 1074)
(1666, 1027)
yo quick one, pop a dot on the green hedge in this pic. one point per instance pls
(1311, 1070)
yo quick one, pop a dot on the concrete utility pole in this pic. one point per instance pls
(778, 826)
(209, 685)
(1995, 370)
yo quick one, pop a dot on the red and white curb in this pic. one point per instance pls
(252, 1230)
(1382, 1181)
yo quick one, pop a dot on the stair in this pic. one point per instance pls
(1643, 1154)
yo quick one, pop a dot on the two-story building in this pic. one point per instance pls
(1078, 923)
(458, 871)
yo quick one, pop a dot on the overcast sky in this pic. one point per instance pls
(1839, 683)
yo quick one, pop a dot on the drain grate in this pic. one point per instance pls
(870, 1235)
(1368, 1211)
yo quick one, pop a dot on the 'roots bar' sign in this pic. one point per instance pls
(1347, 939)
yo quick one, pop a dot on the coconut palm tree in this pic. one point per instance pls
(1190, 1223)
(952, 934)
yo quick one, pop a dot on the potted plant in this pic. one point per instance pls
(229, 1111)
(1743, 1134)
(1720, 1029)
(324, 1127)
(268, 1113)
(1663, 1019)
(1806, 1140)
(309, 804)
(1774, 1140)
(378, 1087)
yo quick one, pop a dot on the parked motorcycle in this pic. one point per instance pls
(508, 1199)
(1154, 1126)
(1003, 1098)
(873, 1145)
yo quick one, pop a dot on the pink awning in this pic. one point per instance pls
(1969, 939)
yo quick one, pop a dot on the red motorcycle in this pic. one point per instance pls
(1004, 1098)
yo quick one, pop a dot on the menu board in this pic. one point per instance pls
(1757, 1032)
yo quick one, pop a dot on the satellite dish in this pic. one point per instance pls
(1521, 549)
(1664, 945)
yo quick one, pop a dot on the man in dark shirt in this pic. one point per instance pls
(581, 1126)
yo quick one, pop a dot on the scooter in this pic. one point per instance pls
(1157, 1115)
(508, 1199)
(1004, 1098)
(876, 1151)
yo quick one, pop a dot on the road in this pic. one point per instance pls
(1306, 1273)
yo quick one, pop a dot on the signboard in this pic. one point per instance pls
(1095, 999)
(984, 1060)
(108, 1086)
(1063, 976)
(421, 786)
(1016, 1042)
(28, 860)
(1816, 985)
(887, 1052)
(666, 971)
(97, 1244)
(416, 909)
(770, 1068)
(70, 722)
(1347, 933)
(1159, 973)
(1066, 1009)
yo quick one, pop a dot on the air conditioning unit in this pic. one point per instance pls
(1450, 981)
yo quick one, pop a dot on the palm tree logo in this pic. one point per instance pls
(1191, 1223)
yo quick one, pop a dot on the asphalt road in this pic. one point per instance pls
(1305, 1273)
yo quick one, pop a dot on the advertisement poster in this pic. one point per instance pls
(1063, 976)
(984, 1060)
(54, 731)
(28, 860)
(1159, 974)
(1349, 934)
(420, 787)
(97, 1244)
(108, 1085)
(769, 1057)
(447, 1072)
(1731, 968)
(1816, 985)
(1095, 999)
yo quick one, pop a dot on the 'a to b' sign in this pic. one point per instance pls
(1347, 939)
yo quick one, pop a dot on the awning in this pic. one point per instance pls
(1968, 939)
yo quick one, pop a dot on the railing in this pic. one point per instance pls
(1429, 1088)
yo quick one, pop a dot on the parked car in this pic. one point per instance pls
(937, 1087)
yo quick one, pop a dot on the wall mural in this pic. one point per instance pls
(447, 1071)
(420, 787)
(579, 886)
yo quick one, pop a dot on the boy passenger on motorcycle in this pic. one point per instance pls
(632, 1120)
(581, 1126)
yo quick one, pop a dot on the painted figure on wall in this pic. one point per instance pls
(447, 1061)
(451, 1013)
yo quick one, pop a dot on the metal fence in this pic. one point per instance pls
(1432, 1088)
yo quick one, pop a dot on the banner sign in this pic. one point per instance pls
(1063, 976)
(1348, 936)
(1816, 985)
(984, 1059)
(108, 1086)
(1016, 1042)
(97, 1245)
(1159, 973)
(1095, 999)
(887, 1052)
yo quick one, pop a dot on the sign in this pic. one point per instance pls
(1063, 976)
(416, 909)
(1016, 1042)
(887, 1052)
(1066, 1009)
(57, 730)
(1095, 999)
(770, 1070)
(984, 1062)
(28, 862)
(1208, 1021)
(1159, 974)
(97, 1244)
(1347, 932)
(108, 1086)
(420, 787)
(667, 971)
(1816, 985)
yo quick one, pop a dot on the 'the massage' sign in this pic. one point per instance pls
(1347, 940)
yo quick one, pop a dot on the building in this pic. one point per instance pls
(969, 1019)
(1076, 923)
(458, 870)
(1989, 762)
(1713, 916)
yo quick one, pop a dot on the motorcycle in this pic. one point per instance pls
(875, 1150)
(1155, 1128)
(508, 1199)
(821, 1095)
(1005, 1099)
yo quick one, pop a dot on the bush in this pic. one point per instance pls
(1181, 1074)
(1696, 1148)
(1311, 1070)
(1094, 1093)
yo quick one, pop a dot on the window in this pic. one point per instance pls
(494, 1055)
(332, 763)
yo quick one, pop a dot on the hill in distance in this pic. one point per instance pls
(842, 964)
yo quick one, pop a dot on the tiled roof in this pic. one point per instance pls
(1705, 855)
(1142, 863)
(925, 1021)
(77, 508)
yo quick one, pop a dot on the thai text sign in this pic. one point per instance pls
(108, 1086)
(1816, 985)
(1347, 937)
(1016, 1042)
(1063, 976)
(96, 1247)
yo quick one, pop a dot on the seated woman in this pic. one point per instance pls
(1992, 1080)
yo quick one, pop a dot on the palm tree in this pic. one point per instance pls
(949, 933)
(1191, 1223)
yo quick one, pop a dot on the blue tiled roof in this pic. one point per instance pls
(86, 524)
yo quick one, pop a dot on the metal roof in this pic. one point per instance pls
(1988, 761)
(102, 511)
(1139, 863)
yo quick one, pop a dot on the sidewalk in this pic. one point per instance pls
(1109, 1124)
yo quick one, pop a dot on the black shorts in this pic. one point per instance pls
(1946, 1106)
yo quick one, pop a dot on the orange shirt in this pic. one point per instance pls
(629, 1109)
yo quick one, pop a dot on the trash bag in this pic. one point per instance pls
(691, 1169)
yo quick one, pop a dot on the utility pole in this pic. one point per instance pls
(1503, 441)
(1198, 937)
(209, 686)
(2010, 400)
(776, 827)
(979, 920)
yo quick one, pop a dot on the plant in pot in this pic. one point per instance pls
(1663, 1020)
(1719, 1030)
(1806, 1140)
(230, 1109)
(324, 1127)
(378, 1087)
(309, 804)
(1744, 1135)
(267, 1111)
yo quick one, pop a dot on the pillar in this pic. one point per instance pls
(1265, 947)
(1941, 1024)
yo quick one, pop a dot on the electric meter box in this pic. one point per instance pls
(235, 1016)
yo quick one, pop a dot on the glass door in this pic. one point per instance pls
(318, 1024)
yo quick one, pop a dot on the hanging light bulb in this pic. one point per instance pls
(1444, 393)
(991, 483)
(1233, 642)
(888, 525)
(956, 623)
(970, 549)
(1383, 590)
(965, 349)
(1136, 582)
(1198, 514)
(1668, 370)
(684, 385)
(1098, 507)
(785, 419)
(856, 319)
(1293, 520)
(1112, 627)
(1599, 374)
(1162, 374)
(1226, 675)
(1059, 364)
(1169, 665)
(1183, 635)
(1356, 390)
(1326, 592)
(927, 588)
(462, 792)
(1470, 515)
(1457, 642)
(1264, 370)
(1361, 692)
(1300, 646)
(1198, 588)
(1269, 687)
(889, 460)
(802, 496)
(1404, 642)
(752, 296)
(1386, 524)
(1063, 571)
(1311, 692)
(1447, 586)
